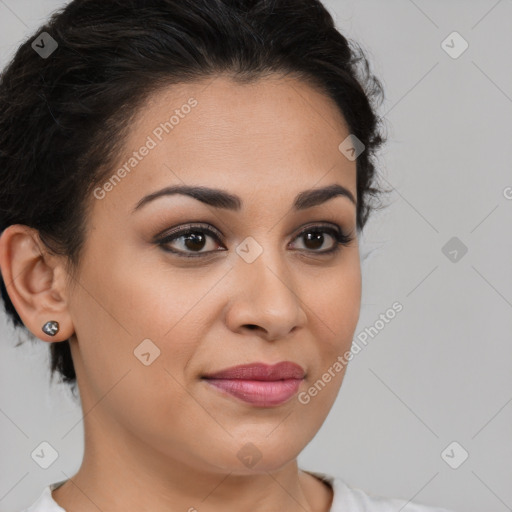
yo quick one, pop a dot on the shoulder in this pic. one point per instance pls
(45, 501)
(354, 499)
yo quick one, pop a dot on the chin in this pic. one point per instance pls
(258, 455)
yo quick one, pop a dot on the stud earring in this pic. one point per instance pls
(51, 328)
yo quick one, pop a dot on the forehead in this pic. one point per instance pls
(271, 134)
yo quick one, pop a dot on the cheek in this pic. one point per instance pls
(119, 310)
(335, 306)
(142, 293)
(124, 301)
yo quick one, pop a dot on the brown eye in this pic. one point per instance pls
(314, 238)
(193, 241)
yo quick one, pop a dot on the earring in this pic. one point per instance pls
(51, 328)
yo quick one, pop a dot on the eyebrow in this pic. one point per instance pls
(222, 199)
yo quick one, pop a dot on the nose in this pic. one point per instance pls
(265, 298)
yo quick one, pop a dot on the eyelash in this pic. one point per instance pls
(340, 238)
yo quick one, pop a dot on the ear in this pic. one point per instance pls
(35, 281)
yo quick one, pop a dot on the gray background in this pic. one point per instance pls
(440, 371)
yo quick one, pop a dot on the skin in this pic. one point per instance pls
(157, 437)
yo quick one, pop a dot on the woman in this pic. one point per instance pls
(183, 185)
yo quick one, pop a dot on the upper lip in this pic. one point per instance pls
(260, 371)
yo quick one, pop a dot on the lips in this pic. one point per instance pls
(260, 371)
(258, 384)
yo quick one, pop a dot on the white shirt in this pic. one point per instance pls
(345, 499)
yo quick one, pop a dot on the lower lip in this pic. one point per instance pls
(258, 392)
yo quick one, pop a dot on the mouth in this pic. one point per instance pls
(259, 384)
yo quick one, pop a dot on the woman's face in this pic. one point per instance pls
(150, 321)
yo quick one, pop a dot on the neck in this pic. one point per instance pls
(124, 473)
